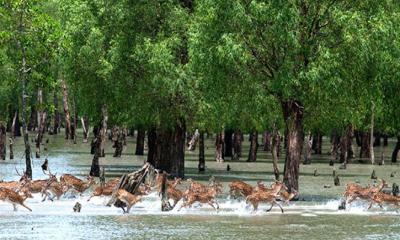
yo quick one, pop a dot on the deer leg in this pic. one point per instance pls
(22, 204)
(272, 204)
(128, 208)
(45, 196)
(279, 206)
(212, 205)
(123, 209)
(15, 207)
(351, 199)
(217, 204)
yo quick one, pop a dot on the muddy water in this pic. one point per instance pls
(315, 216)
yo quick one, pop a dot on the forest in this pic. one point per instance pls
(285, 76)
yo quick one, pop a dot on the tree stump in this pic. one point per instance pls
(131, 182)
(373, 175)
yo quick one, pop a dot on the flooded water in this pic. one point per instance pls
(315, 216)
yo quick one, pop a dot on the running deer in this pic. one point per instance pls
(269, 196)
(55, 189)
(381, 197)
(76, 183)
(354, 191)
(204, 196)
(174, 193)
(240, 188)
(128, 198)
(196, 186)
(105, 190)
(38, 186)
(285, 196)
(15, 198)
(24, 179)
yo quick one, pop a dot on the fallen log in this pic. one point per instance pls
(131, 182)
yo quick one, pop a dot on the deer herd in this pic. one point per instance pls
(16, 192)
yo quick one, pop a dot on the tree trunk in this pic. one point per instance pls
(293, 116)
(253, 147)
(335, 142)
(377, 141)
(357, 135)
(267, 141)
(317, 143)
(202, 162)
(85, 128)
(56, 123)
(96, 149)
(308, 149)
(98, 144)
(237, 145)
(141, 133)
(396, 150)
(41, 120)
(219, 143)
(118, 142)
(365, 145)
(371, 134)
(23, 72)
(11, 147)
(345, 144)
(103, 133)
(66, 110)
(32, 124)
(3, 139)
(276, 138)
(228, 143)
(385, 140)
(193, 141)
(167, 149)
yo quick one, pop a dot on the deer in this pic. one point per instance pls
(105, 190)
(240, 188)
(77, 184)
(15, 198)
(56, 189)
(159, 178)
(24, 179)
(128, 198)
(204, 196)
(174, 193)
(269, 196)
(285, 196)
(354, 191)
(381, 197)
(196, 186)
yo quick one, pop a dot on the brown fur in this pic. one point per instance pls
(15, 198)
(269, 196)
(128, 198)
(76, 183)
(105, 190)
(380, 198)
(202, 195)
(354, 191)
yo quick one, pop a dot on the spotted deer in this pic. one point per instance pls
(380, 198)
(77, 184)
(105, 190)
(240, 188)
(15, 198)
(128, 198)
(269, 196)
(202, 195)
(354, 191)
